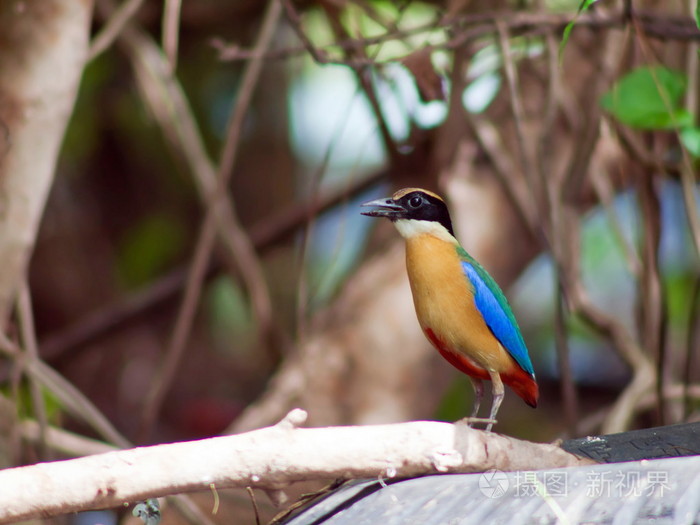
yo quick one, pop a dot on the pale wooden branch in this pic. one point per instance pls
(42, 61)
(268, 458)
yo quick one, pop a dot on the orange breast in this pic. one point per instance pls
(447, 313)
(520, 381)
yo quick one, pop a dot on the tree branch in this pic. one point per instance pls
(248, 263)
(268, 458)
(472, 27)
(44, 45)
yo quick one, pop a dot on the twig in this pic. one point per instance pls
(319, 56)
(518, 116)
(26, 321)
(171, 31)
(592, 422)
(302, 294)
(352, 51)
(626, 404)
(254, 502)
(607, 325)
(473, 27)
(651, 297)
(70, 397)
(113, 28)
(81, 407)
(580, 161)
(16, 372)
(605, 194)
(248, 263)
(627, 11)
(692, 345)
(550, 180)
(688, 184)
(503, 164)
(624, 407)
(568, 387)
(688, 172)
(640, 153)
(67, 443)
(264, 235)
(167, 100)
(163, 379)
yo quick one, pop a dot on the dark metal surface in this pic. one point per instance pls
(649, 443)
(660, 492)
(617, 492)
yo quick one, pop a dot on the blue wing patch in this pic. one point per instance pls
(497, 313)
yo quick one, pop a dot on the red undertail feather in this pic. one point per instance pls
(523, 384)
(520, 381)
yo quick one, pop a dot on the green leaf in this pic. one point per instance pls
(697, 14)
(583, 6)
(229, 316)
(148, 248)
(25, 403)
(649, 98)
(690, 137)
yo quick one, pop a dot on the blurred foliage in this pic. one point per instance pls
(25, 406)
(124, 213)
(232, 326)
(126, 210)
(456, 403)
(148, 248)
(649, 98)
(583, 6)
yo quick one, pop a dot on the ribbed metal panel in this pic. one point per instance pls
(658, 491)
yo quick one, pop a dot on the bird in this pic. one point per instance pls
(460, 308)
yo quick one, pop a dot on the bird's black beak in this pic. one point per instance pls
(386, 207)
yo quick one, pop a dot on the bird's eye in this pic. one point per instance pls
(415, 202)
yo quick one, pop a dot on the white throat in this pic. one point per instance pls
(410, 228)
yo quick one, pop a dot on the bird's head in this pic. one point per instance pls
(414, 211)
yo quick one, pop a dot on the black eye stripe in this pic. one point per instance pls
(425, 207)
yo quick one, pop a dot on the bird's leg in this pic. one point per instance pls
(478, 385)
(498, 393)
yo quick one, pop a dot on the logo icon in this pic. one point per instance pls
(493, 483)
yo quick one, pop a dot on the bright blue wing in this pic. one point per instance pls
(494, 308)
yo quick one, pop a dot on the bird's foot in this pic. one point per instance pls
(470, 421)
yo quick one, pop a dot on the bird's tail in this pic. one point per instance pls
(523, 384)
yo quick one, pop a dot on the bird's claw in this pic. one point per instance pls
(470, 421)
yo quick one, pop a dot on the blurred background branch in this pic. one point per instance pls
(166, 295)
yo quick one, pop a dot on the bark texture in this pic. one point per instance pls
(43, 45)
